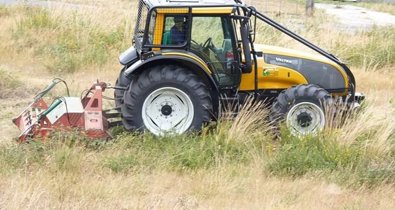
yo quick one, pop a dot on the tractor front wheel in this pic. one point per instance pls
(302, 108)
(166, 99)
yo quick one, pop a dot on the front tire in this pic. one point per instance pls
(302, 108)
(166, 99)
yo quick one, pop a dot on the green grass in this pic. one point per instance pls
(350, 165)
(345, 164)
(133, 152)
(189, 152)
(67, 44)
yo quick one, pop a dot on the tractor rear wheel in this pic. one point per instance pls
(166, 99)
(123, 82)
(302, 108)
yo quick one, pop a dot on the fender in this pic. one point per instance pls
(196, 66)
(128, 56)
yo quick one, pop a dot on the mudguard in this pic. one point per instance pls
(195, 66)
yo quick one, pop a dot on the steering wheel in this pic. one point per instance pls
(208, 43)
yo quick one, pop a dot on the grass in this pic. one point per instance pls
(4, 11)
(67, 44)
(217, 168)
(8, 84)
(372, 48)
(351, 165)
(365, 158)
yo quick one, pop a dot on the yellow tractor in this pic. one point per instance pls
(191, 57)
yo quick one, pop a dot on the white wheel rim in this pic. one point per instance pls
(167, 110)
(305, 119)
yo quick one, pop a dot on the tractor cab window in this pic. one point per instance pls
(175, 30)
(212, 39)
(151, 28)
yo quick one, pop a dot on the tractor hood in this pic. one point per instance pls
(316, 69)
(273, 50)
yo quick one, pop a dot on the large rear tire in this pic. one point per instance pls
(166, 99)
(122, 82)
(302, 108)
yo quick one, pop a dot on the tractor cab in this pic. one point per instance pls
(198, 30)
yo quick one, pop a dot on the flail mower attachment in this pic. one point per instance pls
(66, 113)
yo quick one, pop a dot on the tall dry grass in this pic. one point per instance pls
(218, 169)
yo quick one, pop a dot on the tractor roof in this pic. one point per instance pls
(187, 3)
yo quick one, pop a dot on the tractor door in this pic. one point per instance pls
(213, 39)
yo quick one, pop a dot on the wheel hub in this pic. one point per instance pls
(304, 119)
(166, 110)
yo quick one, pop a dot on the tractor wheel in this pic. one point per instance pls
(122, 81)
(166, 99)
(302, 108)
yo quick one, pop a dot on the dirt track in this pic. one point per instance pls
(357, 18)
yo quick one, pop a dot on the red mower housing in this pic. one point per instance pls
(65, 113)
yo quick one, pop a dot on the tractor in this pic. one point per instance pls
(190, 58)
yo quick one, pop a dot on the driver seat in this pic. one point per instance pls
(166, 38)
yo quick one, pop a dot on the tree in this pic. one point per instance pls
(309, 7)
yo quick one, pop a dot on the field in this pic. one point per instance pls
(237, 164)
